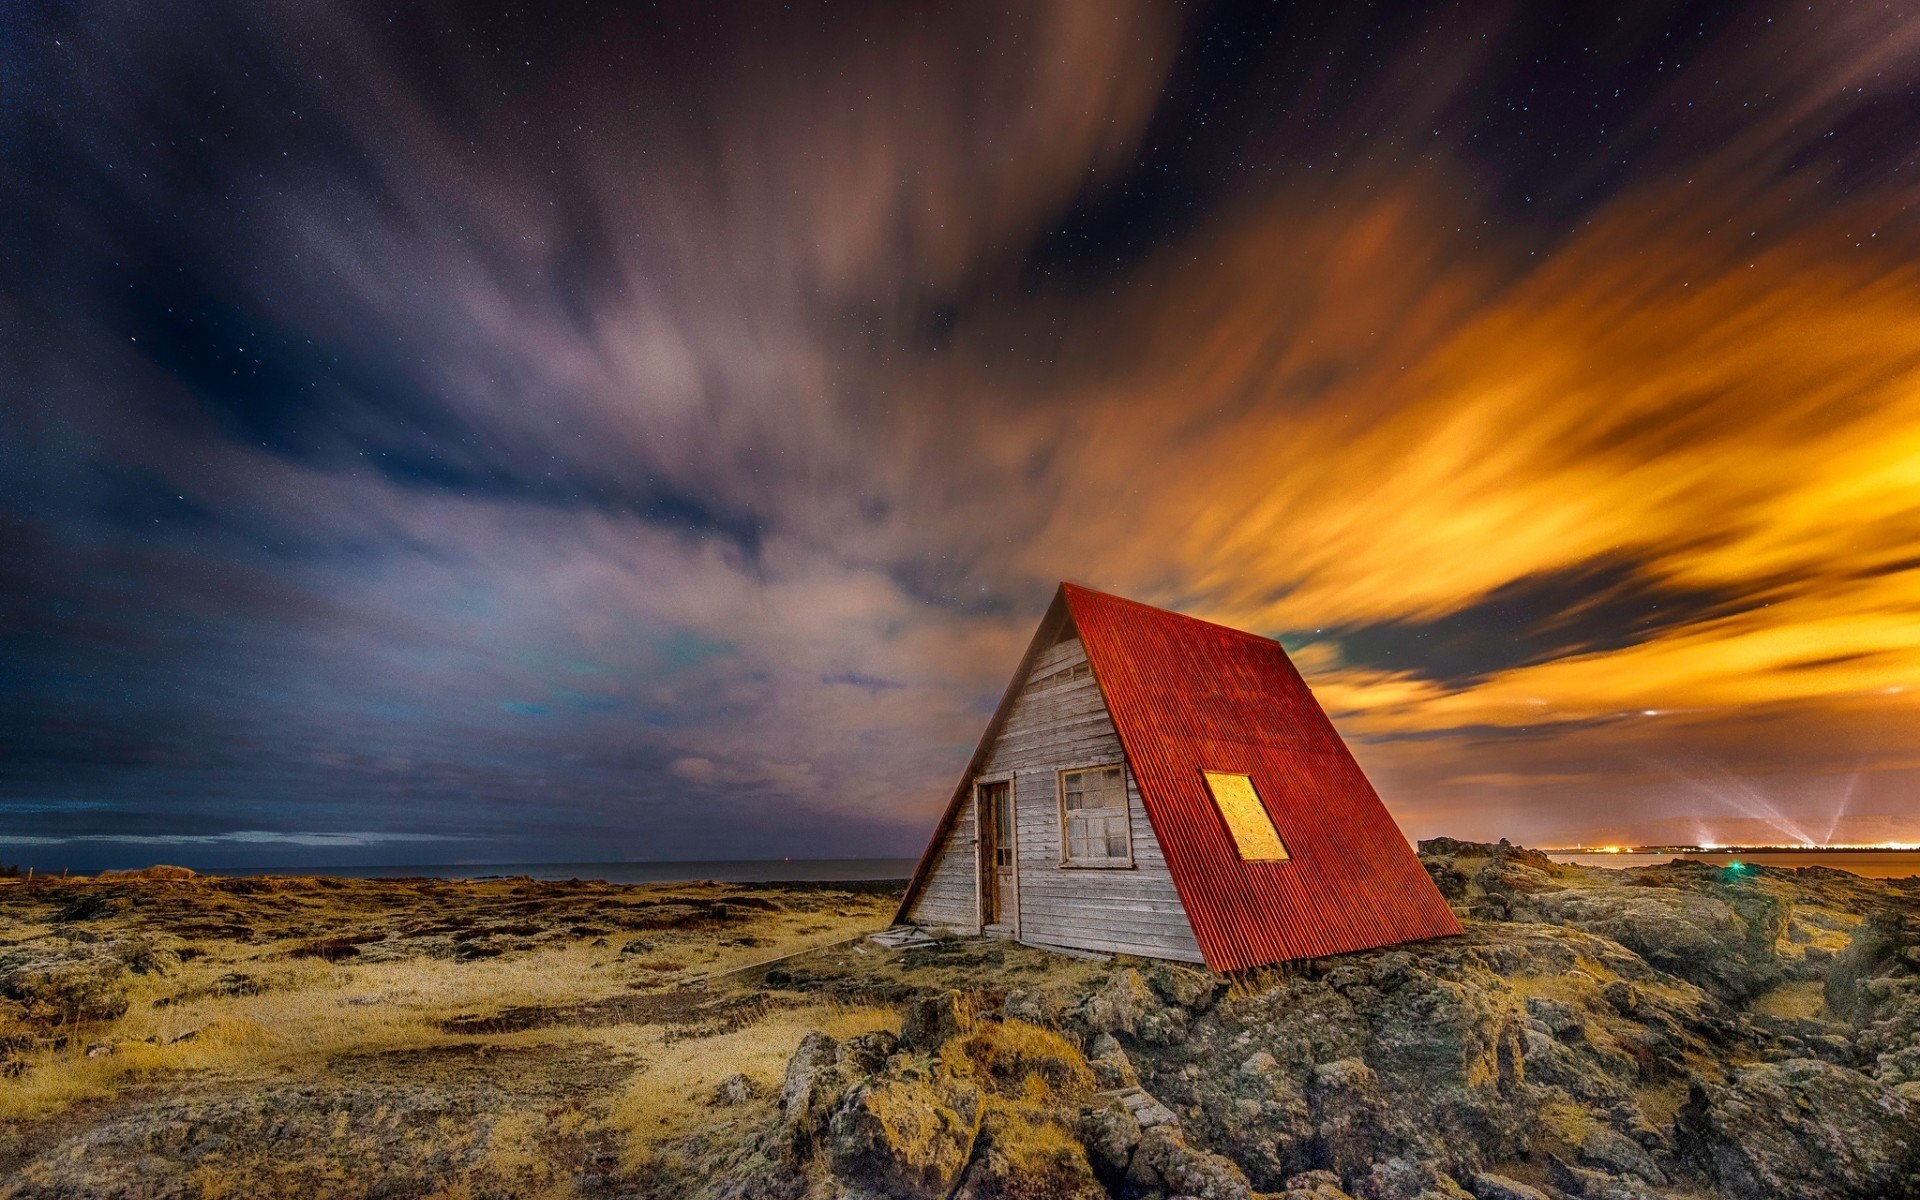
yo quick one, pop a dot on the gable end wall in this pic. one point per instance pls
(1118, 910)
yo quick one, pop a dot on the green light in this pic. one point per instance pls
(1735, 865)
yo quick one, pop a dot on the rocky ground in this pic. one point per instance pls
(1672, 1031)
(182, 1036)
(1675, 1031)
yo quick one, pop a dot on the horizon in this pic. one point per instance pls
(399, 865)
(330, 867)
(472, 433)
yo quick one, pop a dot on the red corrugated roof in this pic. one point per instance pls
(1189, 696)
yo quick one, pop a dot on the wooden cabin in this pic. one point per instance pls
(1158, 785)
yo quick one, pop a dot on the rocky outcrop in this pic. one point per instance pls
(48, 989)
(1713, 928)
(1724, 943)
(1409, 1179)
(1165, 1163)
(1540, 1056)
(1025, 1151)
(902, 1133)
(1802, 1128)
(1875, 984)
(998, 1110)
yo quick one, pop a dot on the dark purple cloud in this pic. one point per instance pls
(458, 433)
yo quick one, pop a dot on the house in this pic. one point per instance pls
(1158, 785)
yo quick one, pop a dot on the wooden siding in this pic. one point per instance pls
(1055, 725)
(951, 896)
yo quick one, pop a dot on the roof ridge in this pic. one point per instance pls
(1167, 612)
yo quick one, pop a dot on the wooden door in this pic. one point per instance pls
(998, 905)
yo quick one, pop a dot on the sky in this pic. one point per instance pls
(439, 433)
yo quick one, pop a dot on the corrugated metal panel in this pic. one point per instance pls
(1188, 696)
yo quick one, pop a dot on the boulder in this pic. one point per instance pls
(1448, 1045)
(1615, 1153)
(1121, 1005)
(1802, 1128)
(1109, 1133)
(1314, 1185)
(1025, 1153)
(1021, 1061)
(1349, 1116)
(1591, 1184)
(1191, 988)
(929, 1021)
(1112, 1069)
(1165, 1161)
(1726, 945)
(1487, 1186)
(735, 1089)
(75, 983)
(1027, 1004)
(1409, 1179)
(904, 1137)
(865, 1053)
(812, 1079)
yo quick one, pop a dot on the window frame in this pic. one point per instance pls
(1067, 861)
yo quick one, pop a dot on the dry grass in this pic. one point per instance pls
(1806, 999)
(1562, 1125)
(671, 1094)
(309, 1012)
(1035, 1062)
(1576, 989)
(235, 1002)
(1660, 1101)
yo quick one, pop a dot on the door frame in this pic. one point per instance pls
(1009, 919)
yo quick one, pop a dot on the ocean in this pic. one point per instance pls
(1874, 864)
(786, 870)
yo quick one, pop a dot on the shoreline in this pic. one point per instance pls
(1866, 863)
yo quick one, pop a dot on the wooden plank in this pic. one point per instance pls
(950, 896)
(1131, 910)
(1049, 728)
(1111, 946)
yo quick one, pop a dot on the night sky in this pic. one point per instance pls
(438, 434)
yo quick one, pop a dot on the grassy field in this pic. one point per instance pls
(396, 1037)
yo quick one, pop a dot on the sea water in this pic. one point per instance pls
(785, 870)
(1874, 864)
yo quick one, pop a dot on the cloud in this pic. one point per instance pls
(638, 451)
(869, 683)
(245, 837)
(699, 770)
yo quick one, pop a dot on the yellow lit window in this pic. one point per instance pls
(1247, 818)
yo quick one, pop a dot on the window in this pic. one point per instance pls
(1093, 817)
(1247, 819)
(1063, 675)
